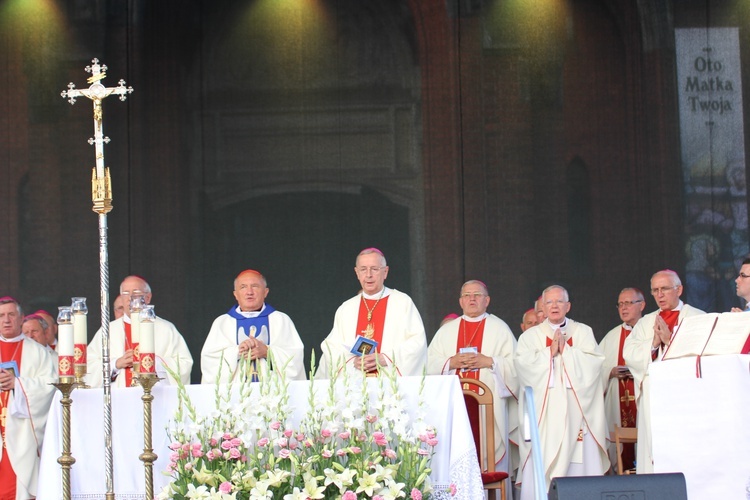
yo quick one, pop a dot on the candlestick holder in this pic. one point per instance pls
(148, 457)
(66, 460)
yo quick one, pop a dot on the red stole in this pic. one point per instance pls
(628, 410)
(569, 341)
(128, 346)
(8, 351)
(670, 318)
(374, 328)
(470, 334)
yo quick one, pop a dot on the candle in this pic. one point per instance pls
(135, 327)
(65, 350)
(147, 338)
(80, 335)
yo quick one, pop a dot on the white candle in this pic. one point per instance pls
(65, 339)
(147, 338)
(135, 327)
(80, 335)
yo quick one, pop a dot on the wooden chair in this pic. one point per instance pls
(484, 433)
(623, 435)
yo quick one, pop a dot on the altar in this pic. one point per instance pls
(699, 425)
(454, 463)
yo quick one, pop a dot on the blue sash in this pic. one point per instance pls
(253, 327)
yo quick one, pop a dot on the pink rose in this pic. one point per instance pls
(349, 495)
(355, 450)
(423, 437)
(288, 433)
(210, 455)
(236, 442)
(227, 445)
(225, 487)
(341, 453)
(285, 453)
(326, 453)
(452, 489)
(326, 433)
(423, 452)
(416, 494)
(431, 434)
(197, 453)
(234, 453)
(371, 418)
(432, 442)
(175, 446)
(276, 425)
(197, 446)
(300, 437)
(212, 442)
(263, 442)
(389, 453)
(377, 497)
(227, 436)
(174, 456)
(308, 443)
(189, 466)
(281, 442)
(344, 435)
(293, 445)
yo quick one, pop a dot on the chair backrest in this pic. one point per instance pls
(486, 430)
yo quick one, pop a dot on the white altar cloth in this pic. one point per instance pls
(700, 425)
(455, 461)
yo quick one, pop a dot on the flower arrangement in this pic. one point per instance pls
(348, 445)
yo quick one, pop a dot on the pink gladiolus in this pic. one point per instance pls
(355, 450)
(416, 494)
(285, 453)
(276, 425)
(234, 453)
(263, 442)
(344, 435)
(225, 487)
(432, 442)
(349, 495)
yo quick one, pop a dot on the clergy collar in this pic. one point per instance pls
(385, 292)
(17, 338)
(627, 326)
(474, 320)
(250, 314)
(562, 326)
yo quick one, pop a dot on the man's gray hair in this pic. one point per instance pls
(370, 250)
(552, 287)
(672, 274)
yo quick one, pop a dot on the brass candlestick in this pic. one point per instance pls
(148, 457)
(81, 370)
(66, 460)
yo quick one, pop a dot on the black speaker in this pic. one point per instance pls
(630, 487)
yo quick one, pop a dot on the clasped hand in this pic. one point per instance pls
(253, 348)
(558, 343)
(662, 335)
(470, 361)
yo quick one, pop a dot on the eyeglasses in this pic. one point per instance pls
(475, 295)
(372, 270)
(559, 302)
(628, 303)
(743, 275)
(664, 289)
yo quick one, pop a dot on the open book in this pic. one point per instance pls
(709, 334)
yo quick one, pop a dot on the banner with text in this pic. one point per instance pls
(713, 164)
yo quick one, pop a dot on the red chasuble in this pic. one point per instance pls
(377, 321)
(628, 409)
(8, 351)
(470, 334)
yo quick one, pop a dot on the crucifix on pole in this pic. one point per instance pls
(101, 195)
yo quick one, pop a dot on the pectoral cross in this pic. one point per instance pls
(627, 398)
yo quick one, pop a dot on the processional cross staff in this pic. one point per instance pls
(101, 195)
